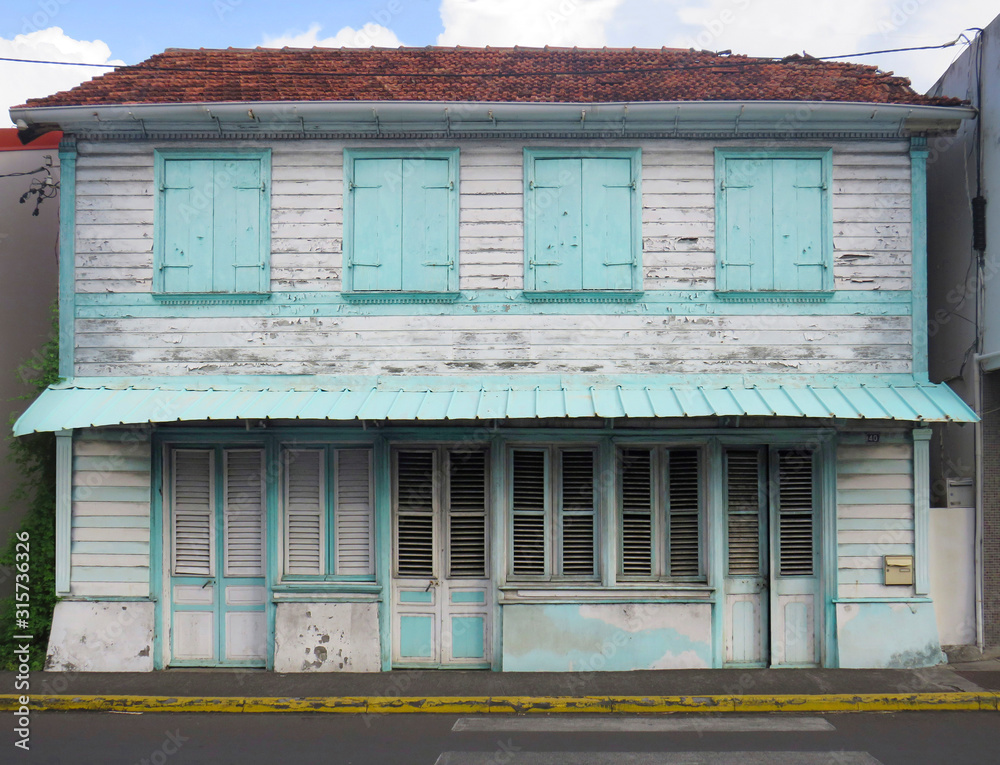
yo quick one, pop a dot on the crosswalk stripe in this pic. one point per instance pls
(509, 756)
(773, 724)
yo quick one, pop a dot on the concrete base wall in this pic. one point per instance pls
(327, 637)
(953, 573)
(888, 635)
(101, 637)
(606, 637)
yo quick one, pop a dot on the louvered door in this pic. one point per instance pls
(441, 580)
(772, 587)
(217, 555)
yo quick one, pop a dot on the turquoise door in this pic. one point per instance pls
(441, 592)
(217, 592)
(771, 602)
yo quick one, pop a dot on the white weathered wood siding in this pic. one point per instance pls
(109, 549)
(874, 516)
(115, 199)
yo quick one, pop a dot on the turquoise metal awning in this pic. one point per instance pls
(96, 402)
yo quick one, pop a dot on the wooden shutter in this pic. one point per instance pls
(528, 513)
(608, 251)
(467, 514)
(745, 263)
(240, 197)
(305, 505)
(376, 189)
(193, 508)
(795, 513)
(354, 513)
(577, 508)
(244, 512)
(555, 205)
(415, 513)
(187, 237)
(637, 512)
(684, 508)
(743, 506)
(799, 254)
(428, 250)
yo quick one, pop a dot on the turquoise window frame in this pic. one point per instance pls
(634, 155)
(160, 158)
(825, 156)
(451, 293)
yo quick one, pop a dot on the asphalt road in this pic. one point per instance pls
(921, 738)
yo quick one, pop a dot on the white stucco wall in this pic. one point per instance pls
(327, 637)
(953, 573)
(101, 637)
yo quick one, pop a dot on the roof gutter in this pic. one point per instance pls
(381, 118)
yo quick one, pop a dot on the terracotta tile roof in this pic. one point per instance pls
(483, 74)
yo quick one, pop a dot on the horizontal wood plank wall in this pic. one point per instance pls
(871, 252)
(874, 516)
(109, 551)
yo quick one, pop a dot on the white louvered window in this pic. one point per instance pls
(193, 506)
(744, 489)
(467, 514)
(554, 513)
(305, 512)
(796, 533)
(328, 510)
(660, 505)
(415, 506)
(244, 512)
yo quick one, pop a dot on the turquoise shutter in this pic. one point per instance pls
(555, 261)
(746, 263)
(608, 256)
(376, 241)
(428, 257)
(186, 259)
(239, 195)
(799, 262)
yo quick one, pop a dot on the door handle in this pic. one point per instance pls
(431, 583)
(208, 582)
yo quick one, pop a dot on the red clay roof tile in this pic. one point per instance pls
(483, 74)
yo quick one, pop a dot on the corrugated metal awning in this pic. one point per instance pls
(96, 402)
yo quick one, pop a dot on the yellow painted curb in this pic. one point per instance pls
(985, 701)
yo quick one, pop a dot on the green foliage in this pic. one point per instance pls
(35, 457)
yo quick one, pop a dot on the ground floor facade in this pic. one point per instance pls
(501, 545)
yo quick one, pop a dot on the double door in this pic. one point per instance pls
(772, 597)
(441, 597)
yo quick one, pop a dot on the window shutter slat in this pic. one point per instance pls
(577, 513)
(244, 513)
(304, 512)
(637, 512)
(415, 514)
(684, 498)
(743, 510)
(795, 513)
(354, 513)
(528, 499)
(193, 507)
(467, 514)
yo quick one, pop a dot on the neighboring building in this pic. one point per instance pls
(28, 269)
(511, 358)
(964, 332)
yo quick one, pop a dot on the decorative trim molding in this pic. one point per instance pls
(774, 297)
(234, 298)
(390, 298)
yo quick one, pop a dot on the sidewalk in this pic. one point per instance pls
(974, 686)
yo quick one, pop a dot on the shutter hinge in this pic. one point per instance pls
(446, 264)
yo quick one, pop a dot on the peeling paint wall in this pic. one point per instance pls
(101, 637)
(888, 635)
(327, 637)
(606, 637)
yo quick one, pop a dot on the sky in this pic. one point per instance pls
(126, 32)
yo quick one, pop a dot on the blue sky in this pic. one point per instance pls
(99, 31)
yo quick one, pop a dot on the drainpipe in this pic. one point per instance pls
(977, 398)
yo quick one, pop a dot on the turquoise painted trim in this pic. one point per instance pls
(634, 155)
(468, 597)
(918, 228)
(210, 298)
(64, 509)
(160, 157)
(273, 539)
(115, 464)
(487, 301)
(498, 544)
(388, 298)
(828, 552)
(716, 541)
(921, 509)
(775, 296)
(410, 596)
(156, 584)
(110, 494)
(825, 155)
(583, 296)
(67, 256)
(111, 574)
(351, 155)
(382, 467)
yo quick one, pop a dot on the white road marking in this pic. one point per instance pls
(769, 724)
(511, 757)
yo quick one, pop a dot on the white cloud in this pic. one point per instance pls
(23, 81)
(369, 35)
(526, 22)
